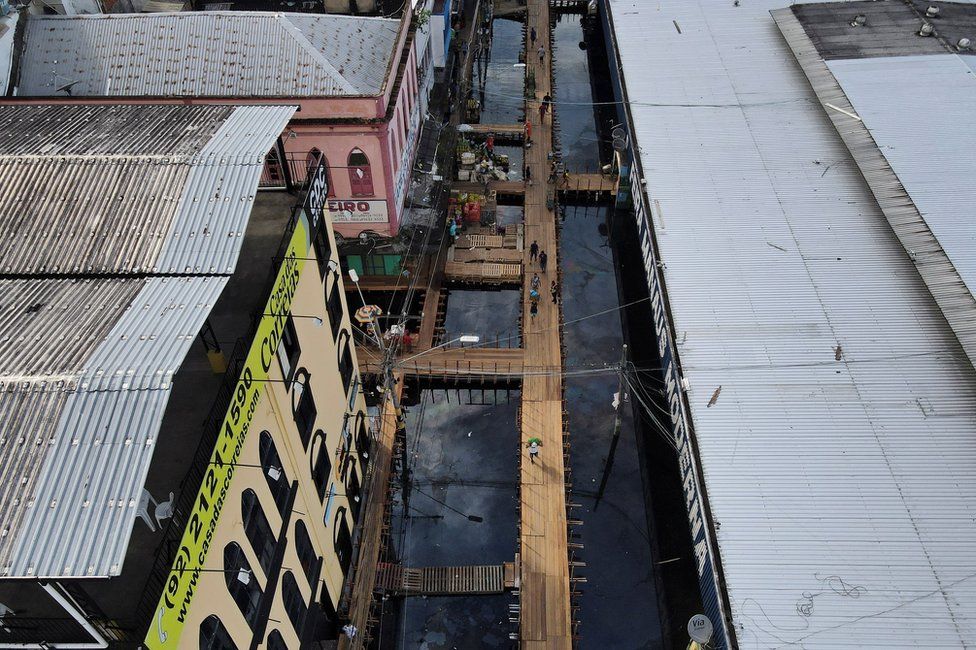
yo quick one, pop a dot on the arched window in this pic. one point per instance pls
(344, 352)
(241, 583)
(273, 471)
(321, 464)
(328, 625)
(352, 491)
(342, 540)
(275, 641)
(306, 553)
(214, 636)
(312, 161)
(362, 438)
(257, 529)
(360, 175)
(303, 406)
(295, 605)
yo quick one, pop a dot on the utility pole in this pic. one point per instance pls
(616, 430)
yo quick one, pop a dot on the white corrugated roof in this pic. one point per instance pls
(921, 112)
(120, 226)
(207, 53)
(130, 189)
(843, 490)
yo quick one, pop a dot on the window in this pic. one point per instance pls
(312, 162)
(352, 491)
(241, 583)
(362, 438)
(306, 553)
(288, 351)
(321, 464)
(342, 540)
(273, 472)
(360, 175)
(375, 265)
(295, 605)
(327, 627)
(345, 362)
(214, 636)
(258, 530)
(275, 641)
(323, 250)
(303, 406)
(333, 307)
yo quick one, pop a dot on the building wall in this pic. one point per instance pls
(274, 414)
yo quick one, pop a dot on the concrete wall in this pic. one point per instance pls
(319, 355)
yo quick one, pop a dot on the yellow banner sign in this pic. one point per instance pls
(174, 604)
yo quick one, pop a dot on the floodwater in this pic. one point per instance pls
(460, 509)
(619, 603)
(502, 101)
(492, 315)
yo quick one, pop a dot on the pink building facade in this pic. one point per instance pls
(364, 119)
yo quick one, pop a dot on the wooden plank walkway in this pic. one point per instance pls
(479, 241)
(472, 363)
(396, 580)
(370, 544)
(467, 255)
(432, 297)
(483, 273)
(509, 188)
(545, 609)
(505, 130)
(587, 184)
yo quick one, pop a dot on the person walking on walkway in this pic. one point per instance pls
(543, 258)
(554, 290)
(542, 53)
(532, 35)
(534, 444)
(534, 310)
(528, 175)
(534, 296)
(533, 251)
(536, 281)
(528, 133)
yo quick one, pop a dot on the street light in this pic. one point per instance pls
(464, 338)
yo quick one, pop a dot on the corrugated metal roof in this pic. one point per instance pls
(120, 226)
(921, 110)
(130, 204)
(81, 429)
(211, 54)
(839, 455)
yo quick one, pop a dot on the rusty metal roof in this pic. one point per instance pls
(206, 53)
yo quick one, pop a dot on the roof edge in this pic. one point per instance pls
(941, 278)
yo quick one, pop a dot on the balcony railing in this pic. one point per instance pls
(288, 174)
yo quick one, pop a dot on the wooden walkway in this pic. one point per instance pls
(451, 363)
(363, 578)
(589, 184)
(503, 188)
(505, 131)
(545, 609)
(396, 580)
(504, 255)
(483, 273)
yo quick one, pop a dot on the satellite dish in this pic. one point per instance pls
(620, 144)
(700, 629)
(618, 132)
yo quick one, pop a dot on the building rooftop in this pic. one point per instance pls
(206, 54)
(831, 402)
(94, 333)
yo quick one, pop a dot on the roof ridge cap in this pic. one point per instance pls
(317, 54)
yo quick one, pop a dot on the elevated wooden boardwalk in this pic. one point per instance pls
(501, 131)
(396, 580)
(451, 363)
(370, 542)
(545, 608)
(483, 273)
(587, 184)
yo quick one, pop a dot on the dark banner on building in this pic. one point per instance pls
(687, 462)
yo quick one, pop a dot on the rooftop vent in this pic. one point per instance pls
(932, 11)
(964, 44)
(859, 20)
(926, 29)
